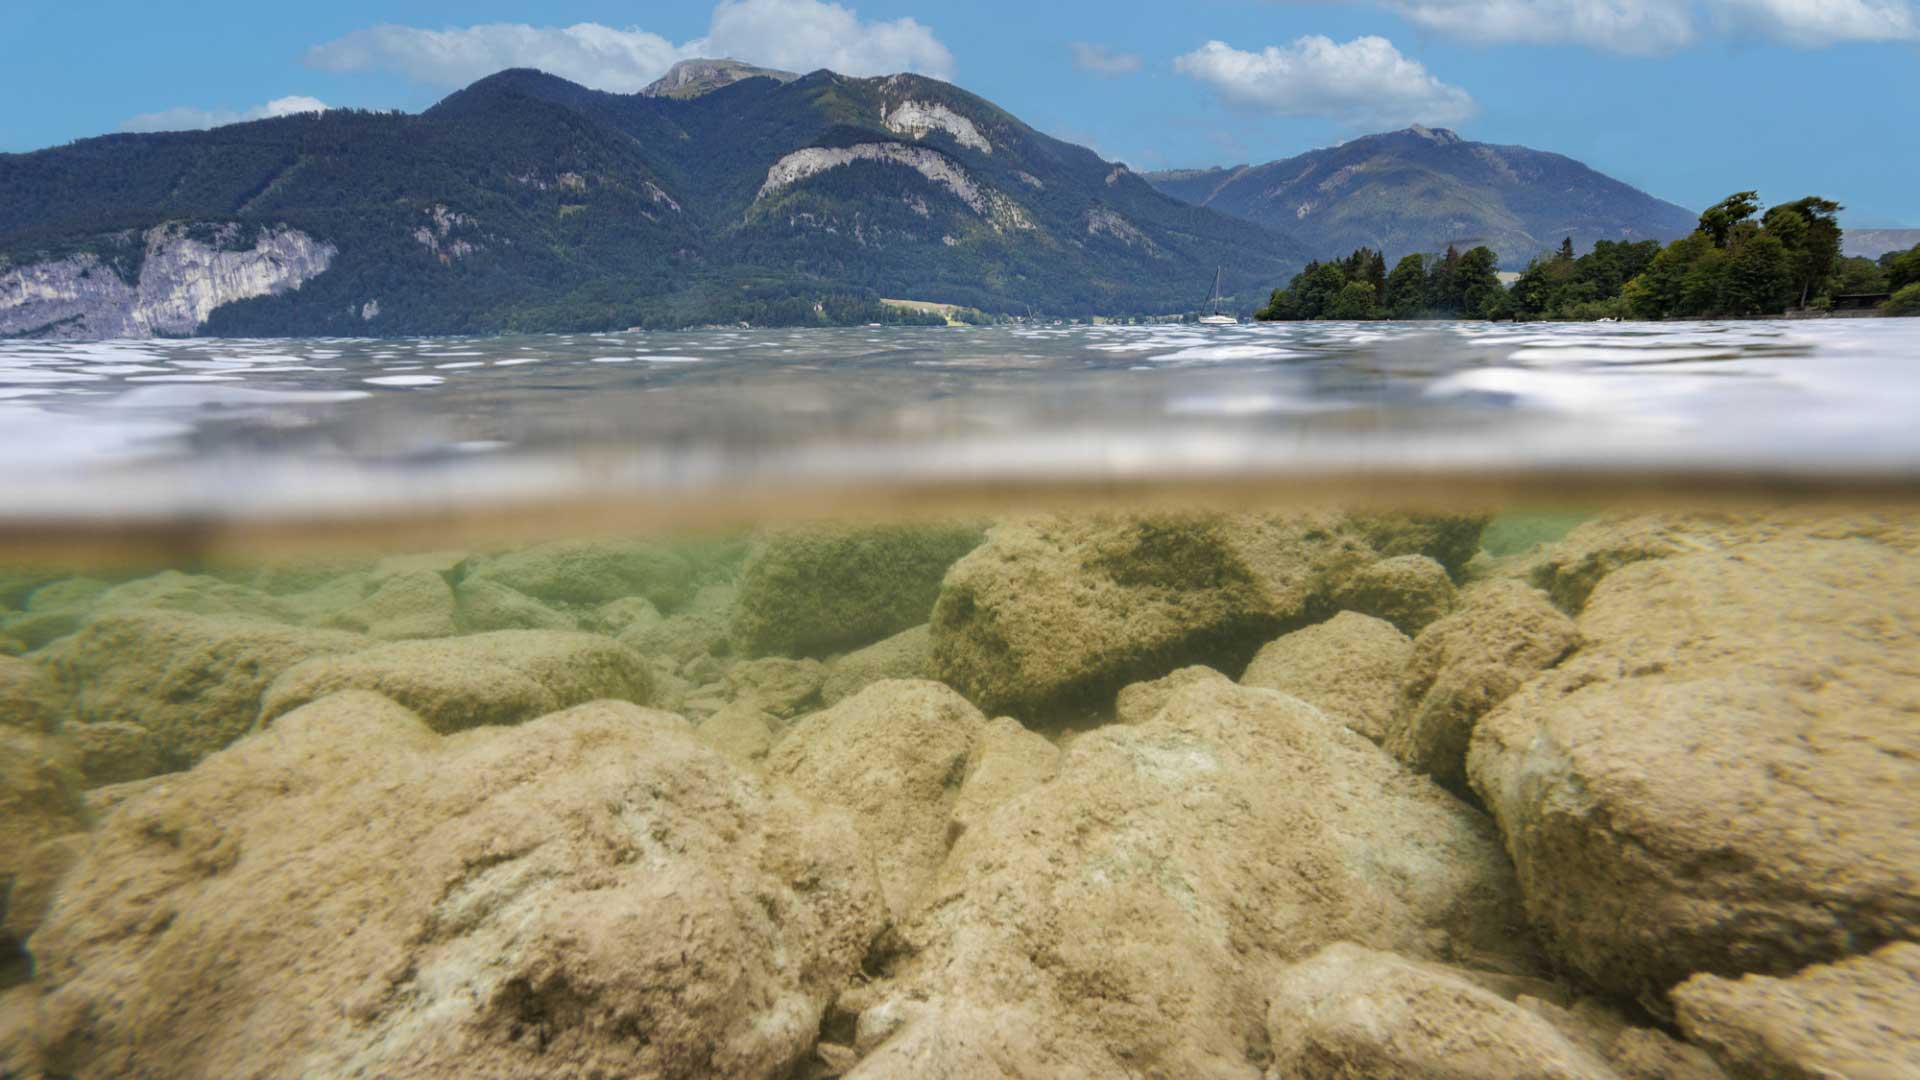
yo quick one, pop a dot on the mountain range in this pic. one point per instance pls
(1423, 189)
(526, 202)
(721, 193)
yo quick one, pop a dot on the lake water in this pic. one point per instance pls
(1025, 700)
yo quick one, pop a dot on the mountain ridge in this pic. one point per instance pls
(1422, 189)
(527, 202)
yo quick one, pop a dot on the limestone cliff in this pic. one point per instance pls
(185, 272)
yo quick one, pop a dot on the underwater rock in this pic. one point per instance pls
(36, 882)
(287, 577)
(616, 617)
(482, 605)
(1137, 703)
(741, 732)
(589, 573)
(194, 681)
(785, 688)
(194, 594)
(503, 677)
(1462, 666)
(1131, 915)
(698, 631)
(1355, 1012)
(75, 595)
(1452, 540)
(816, 591)
(114, 751)
(1720, 780)
(896, 755)
(1007, 761)
(1349, 667)
(405, 605)
(39, 799)
(1853, 1019)
(29, 697)
(593, 893)
(1061, 612)
(1409, 591)
(906, 655)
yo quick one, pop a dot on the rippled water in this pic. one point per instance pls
(245, 428)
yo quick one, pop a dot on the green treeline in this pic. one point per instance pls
(1738, 262)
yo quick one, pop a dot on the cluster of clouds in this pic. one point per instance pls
(187, 119)
(1363, 82)
(795, 35)
(1660, 27)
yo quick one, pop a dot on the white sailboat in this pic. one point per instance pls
(1214, 318)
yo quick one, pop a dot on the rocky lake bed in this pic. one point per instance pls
(1151, 794)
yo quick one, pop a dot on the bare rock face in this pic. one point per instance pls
(589, 573)
(504, 677)
(906, 655)
(1349, 666)
(1061, 612)
(1409, 591)
(1721, 779)
(1354, 1012)
(1462, 666)
(194, 681)
(348, 893)
(1853, 1019)
(815, 591)
(1131, 915)
(896, 754)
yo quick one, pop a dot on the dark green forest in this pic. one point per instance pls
(1738, 262)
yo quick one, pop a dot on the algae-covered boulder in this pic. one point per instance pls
(1452, 540)
(1349, 666)
(1853, 1019)
(689, 635)
(1061, 612)
(1409, 591)
(816, 591)
(29, 697)
(195, 594)
(1720, 780)
(1131, 915)
(482, 605)
(194, 681)
(503, 677)
(589, 573)
(1467, 663)
(1356, 1012)
(401, 606)
(39, 800)
(114, 751)
(594, 893)
(741, 732)
(906, 655)
(1007, 760)
(896, 755)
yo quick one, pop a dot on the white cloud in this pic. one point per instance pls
(1658, 27)
(184, 118)
(1363, 82)
(798, 35)
(1102, 61)
(805, 35)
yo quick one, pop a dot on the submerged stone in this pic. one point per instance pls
(592, 893)
(1720, 779)
(1462, 666)
(1409, 591)
(29, 697)
(785, 688)
(482, 605)
(404, 605)
(817, 591)
(1350, 667)
(1853, 1019)
(1131, 915)
(906, 655)
(39, 800)
(1061, 612)
(589, 573)
(504, 677)
(194, 681)
(1140, 702)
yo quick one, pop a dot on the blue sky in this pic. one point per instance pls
(1689, 99)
